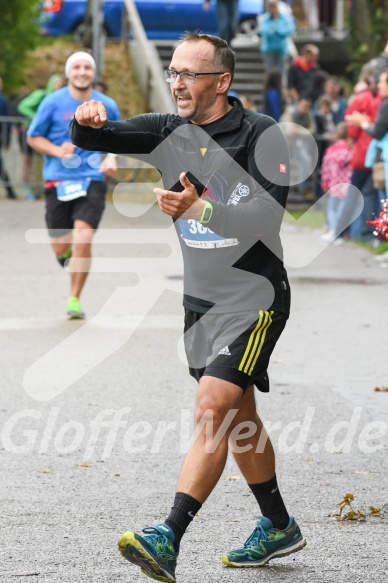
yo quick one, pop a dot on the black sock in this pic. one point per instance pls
(181, 514)
(271, 502)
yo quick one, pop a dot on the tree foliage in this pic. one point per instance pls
(368, 31)
(18, 35)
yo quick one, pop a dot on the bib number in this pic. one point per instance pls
(72, 189)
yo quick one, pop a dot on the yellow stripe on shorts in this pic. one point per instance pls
(255, 343)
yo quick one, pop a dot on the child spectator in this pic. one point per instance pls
(336, 175)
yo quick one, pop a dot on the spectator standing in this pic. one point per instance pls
(5, 138)
(366, 102)
(273, 95)
(325, 134)
(274, 29)
(317, 86)
(336, 174)
(28, 107)
(74, 189)
(301, 115)
(302, 72)
(227, 17)
(338, 103)
(377, 130)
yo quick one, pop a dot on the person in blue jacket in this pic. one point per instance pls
(274, 30)
(273, 95)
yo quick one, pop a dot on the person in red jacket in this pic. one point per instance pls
(366, 102)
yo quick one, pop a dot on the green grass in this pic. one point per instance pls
(382, 248)
(315, 219)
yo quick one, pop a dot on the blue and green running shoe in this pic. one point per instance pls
(265, 543)
(74, 310)
(154, 552)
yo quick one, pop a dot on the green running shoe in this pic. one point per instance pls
(265, 543)
(154, 553)
(74, 310)
(64, 257)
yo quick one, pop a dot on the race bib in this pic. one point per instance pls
(194, 234)
(72, 189)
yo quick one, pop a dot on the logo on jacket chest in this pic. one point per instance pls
(238, 193)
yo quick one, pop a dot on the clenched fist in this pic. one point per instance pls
(92, 114)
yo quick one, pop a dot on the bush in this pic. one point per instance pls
(19, 33)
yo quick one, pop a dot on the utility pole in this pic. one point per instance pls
(98, 44)
(94, 32)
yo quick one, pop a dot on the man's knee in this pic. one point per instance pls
(217, 400)
(209, 409)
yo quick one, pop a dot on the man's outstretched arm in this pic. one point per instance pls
(91, 129)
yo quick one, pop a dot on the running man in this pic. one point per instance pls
(74, 189)
(225, 173)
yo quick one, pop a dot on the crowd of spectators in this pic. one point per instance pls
(298, 90)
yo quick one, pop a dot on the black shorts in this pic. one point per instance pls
(60, 216)
(234, 347)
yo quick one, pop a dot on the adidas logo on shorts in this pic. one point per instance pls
(225, 351)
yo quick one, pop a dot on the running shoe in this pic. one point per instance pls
(154, 552)
(265, 543)
(74, 310)
(64, 257)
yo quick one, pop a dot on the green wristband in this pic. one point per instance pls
(206, 213)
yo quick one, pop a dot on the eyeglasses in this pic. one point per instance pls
(186, 76)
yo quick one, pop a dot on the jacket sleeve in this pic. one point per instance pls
(286, 26)
(267, 174)
(137, 135)
(29, 105)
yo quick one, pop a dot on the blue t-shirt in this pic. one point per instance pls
(52, 122)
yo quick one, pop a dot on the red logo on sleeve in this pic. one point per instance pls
(283, 168)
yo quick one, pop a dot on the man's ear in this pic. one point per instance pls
(223, 84)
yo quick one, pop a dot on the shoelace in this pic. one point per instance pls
(258, 534)
(153, 532)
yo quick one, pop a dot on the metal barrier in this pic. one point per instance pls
(146, 60)
(20, 171)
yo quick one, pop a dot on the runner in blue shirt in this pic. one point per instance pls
(73, 178)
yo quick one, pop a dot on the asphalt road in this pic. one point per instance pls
(96, 415)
